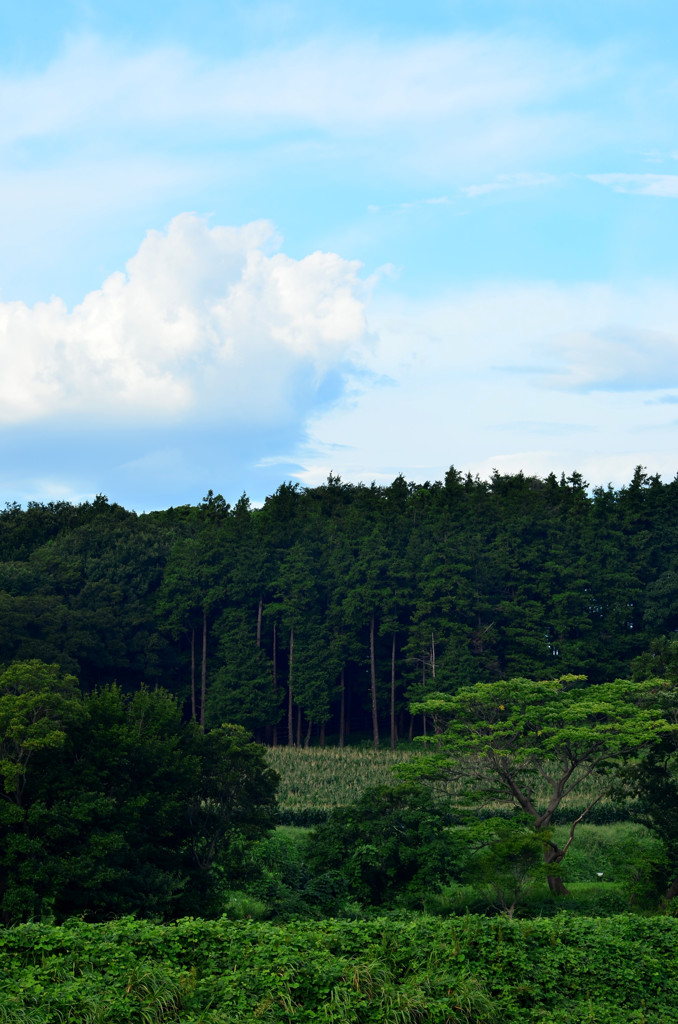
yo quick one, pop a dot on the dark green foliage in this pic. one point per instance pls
(241, 689)
(505, 859)
(391, 845)
(366, 597)
(113, 806)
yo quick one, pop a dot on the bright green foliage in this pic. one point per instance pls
(389, 845)
(468, 970)
(503, 737)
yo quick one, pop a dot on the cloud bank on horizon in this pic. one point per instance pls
(443, 242)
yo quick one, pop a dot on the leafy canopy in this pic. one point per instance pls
(532, 743)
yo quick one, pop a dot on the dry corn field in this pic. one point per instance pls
(321, 778)
(315, 780)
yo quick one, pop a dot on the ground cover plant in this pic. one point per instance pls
(563, 970)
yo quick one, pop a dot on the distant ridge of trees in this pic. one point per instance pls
(330, 608)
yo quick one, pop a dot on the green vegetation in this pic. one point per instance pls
(317, 780)
(111, 805)
(519, 864)
(499, 739)
(326, 612)
(385, 971)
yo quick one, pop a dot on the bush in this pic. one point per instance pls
(391, 845)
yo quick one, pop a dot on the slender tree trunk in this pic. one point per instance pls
(193, 712)
(393, 720)
(275, 677)
(307, 741)
(203, 672)
(298, 725)
(433, 656)
(672, 891)
(373, 687)
(410, 731)
(322, 735)
(342, 712)
(290, 731)
(259, 611)
(423, 685)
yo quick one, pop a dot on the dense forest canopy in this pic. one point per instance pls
(328, 609)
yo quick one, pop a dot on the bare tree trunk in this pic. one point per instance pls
(342, 712)
(322, 735)
(307, 740)
(410, 731)
(275, 676)
(298, 725)
(433, 656)
(373, 687)
(259, 611)
(290, 732)
(203, 673)
(193, 712)
(393, 721)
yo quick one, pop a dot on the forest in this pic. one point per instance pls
(328, 610)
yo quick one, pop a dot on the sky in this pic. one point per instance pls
(249, 242)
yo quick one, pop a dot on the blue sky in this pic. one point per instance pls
(248, 242)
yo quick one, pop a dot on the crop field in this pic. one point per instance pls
(315, 780)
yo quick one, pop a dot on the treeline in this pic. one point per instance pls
(329, 609)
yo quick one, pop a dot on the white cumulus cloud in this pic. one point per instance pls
(204, 322)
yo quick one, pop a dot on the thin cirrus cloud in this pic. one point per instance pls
(465, 371)
(664, 186)
(334, 84)
(506, 182)
(616, 359)
(206, 323)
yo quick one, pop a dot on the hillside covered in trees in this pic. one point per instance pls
(329, 609)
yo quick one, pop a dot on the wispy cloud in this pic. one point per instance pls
(337, 82)
(508, 181)
(582, 382)
(618, 359)
(663, 185)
